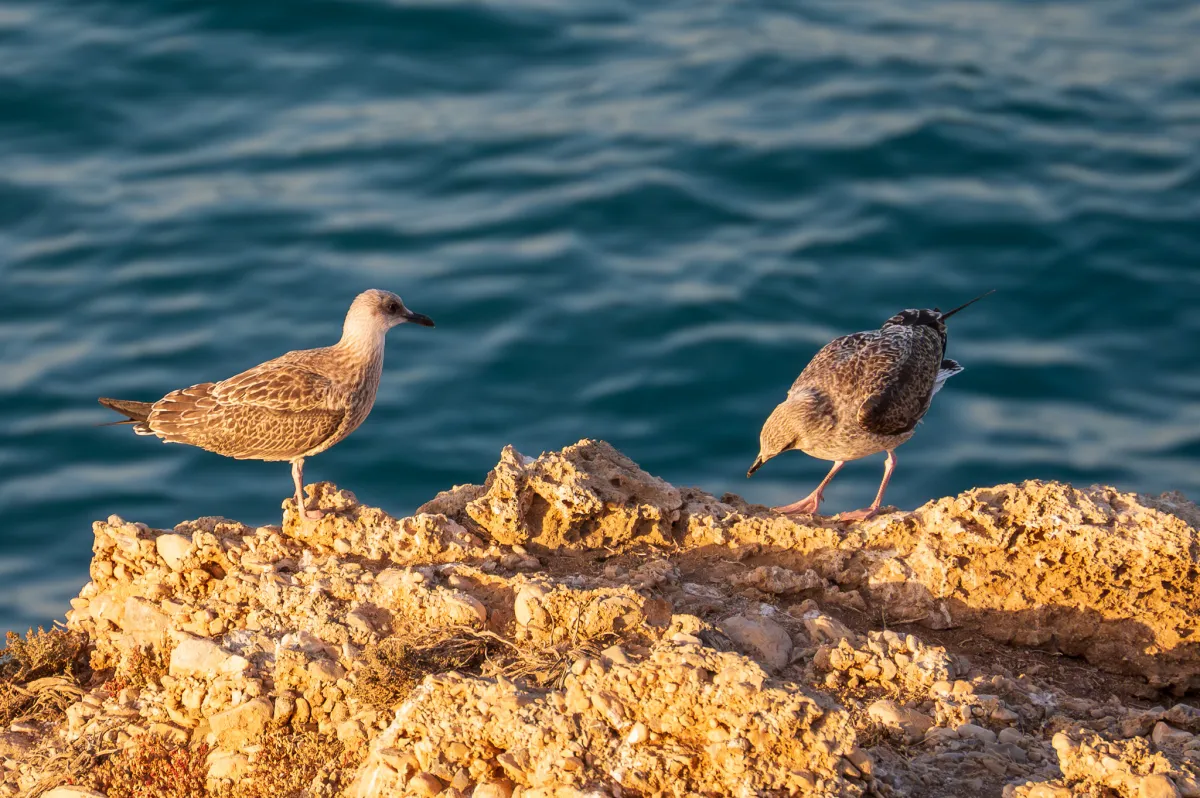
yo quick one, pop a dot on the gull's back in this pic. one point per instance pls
(876, 385)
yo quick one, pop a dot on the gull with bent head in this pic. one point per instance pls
(289, 408)
(860, 395)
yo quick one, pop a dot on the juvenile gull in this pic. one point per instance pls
(860, 395)
(289, 408)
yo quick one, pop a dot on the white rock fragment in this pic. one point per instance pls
(910, 722)
(762, 635)
(1167, 735)
(527, 606)
(174, 549)
(236, 726)
(194, 656)
(324, 670)
(969, 731)
(145, 622)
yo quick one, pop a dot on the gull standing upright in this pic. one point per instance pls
(289, 408)
(860, 395)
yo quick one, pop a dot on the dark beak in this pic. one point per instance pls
(758, 463)
(419, 318)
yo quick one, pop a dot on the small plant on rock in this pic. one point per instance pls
(153, 768)
(140, 667)
(289, 764)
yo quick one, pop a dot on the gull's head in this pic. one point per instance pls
(373, 313)
(773, 441)
(781, 433)
(382, 310)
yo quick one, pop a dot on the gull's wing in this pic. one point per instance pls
(276, 411)
(898, 378)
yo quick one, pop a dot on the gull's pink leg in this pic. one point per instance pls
(812, 502)
(862, 515)
(298, 478)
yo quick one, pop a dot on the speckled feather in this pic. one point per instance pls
(293, 406)
(863, 393)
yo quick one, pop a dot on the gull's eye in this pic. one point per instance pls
(392, 307)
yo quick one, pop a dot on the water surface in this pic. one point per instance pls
(631, 221)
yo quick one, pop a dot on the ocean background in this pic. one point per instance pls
(633, 221)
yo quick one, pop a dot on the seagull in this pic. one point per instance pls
(860, 395)
(289, 408)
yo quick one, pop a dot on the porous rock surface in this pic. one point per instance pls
(705, 646)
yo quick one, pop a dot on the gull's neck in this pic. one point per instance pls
(362, 339)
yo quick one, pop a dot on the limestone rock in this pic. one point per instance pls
(234, 727)
(695, 682)
(526, 607)
(910, 722)
(493, 789)
(993, 538)
(145, 622)
(197, 657)
(971, 731)
(174, 549)
(424, 785)
(585, 496)
(779, 581)
(227, 764)
(561, 627)
(1156, 785)
(1165, 734)
(761, 635)
(1126, 767)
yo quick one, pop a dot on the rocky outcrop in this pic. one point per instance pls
(1108, 576)
(586, 497)
(575, 626)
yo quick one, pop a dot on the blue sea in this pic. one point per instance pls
(633, 221)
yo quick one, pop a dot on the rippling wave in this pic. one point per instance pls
(631, 221)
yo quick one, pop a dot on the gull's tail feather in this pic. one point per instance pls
(945, 371)
(136, 413)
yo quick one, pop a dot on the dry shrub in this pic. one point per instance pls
(547, 664)
(546, 657)
(152, 768)
(42, 699)
(59, 652)
(394, 666)
(40, 674)
(59, 761)
(397, 664)
(289, 764)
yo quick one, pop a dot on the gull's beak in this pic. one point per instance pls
(758, 463)
(418, 318)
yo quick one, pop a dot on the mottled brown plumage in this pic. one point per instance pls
(860, 395)
(289, 408)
